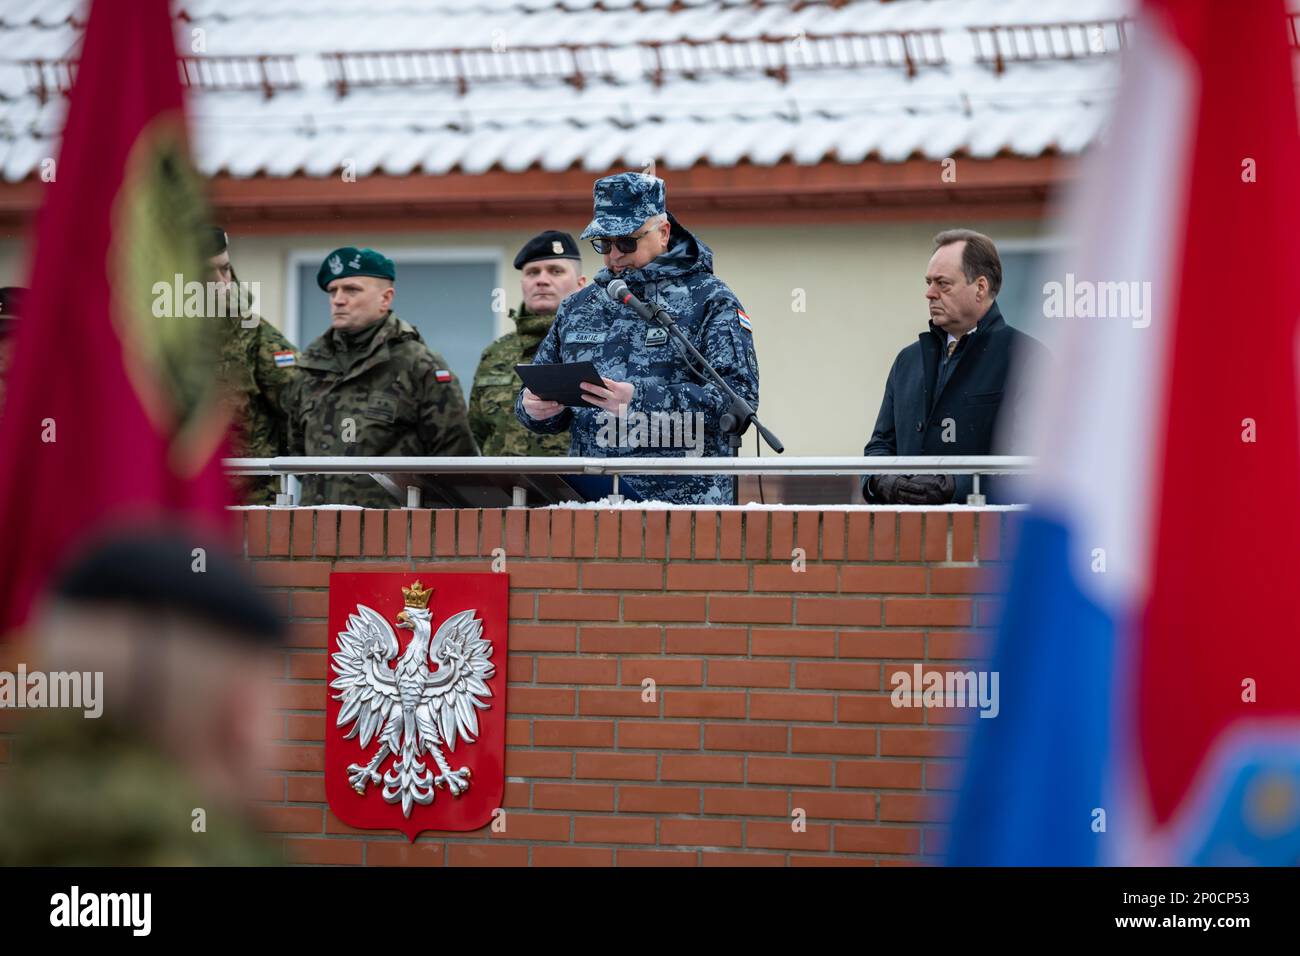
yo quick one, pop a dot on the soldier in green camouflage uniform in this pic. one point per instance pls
(255, 365)
(370, 386)
(552, 270)
(94, 793)
(187, 662)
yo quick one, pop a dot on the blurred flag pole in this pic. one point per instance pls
(110, 414)
(1147, 651)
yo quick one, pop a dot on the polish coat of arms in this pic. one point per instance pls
(405, 721)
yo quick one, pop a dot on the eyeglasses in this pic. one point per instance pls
(623, 244)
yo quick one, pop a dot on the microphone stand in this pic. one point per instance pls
(735, 421)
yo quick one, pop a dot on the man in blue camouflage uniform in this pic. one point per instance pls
(645, 376)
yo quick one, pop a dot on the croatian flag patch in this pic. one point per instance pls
(442, 375)
(744, 321)
(284, 359)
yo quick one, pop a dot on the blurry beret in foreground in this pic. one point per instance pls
(351, 261)
(215, 241)
(156, 570)
(549, 245)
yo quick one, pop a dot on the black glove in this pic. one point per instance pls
(884, 488)
(924, 490)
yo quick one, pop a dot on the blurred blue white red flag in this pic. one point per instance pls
(1148, 658)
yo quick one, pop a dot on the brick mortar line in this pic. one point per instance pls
(704, 751)
(767, 562)
(520, 841)
(639, 847)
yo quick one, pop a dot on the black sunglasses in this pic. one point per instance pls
(624, 244)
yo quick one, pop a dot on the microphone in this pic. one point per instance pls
(618, 291)
(739, 414)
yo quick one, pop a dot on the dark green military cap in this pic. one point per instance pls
(351, 261)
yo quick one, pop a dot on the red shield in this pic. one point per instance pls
(415, 706)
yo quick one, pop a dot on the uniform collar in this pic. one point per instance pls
(989, 320)
(531, 326)
(686, 254)
(326, 354)
(358, 340)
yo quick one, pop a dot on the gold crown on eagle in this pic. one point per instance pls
(416, 595)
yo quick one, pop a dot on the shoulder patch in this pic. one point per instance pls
(442, 375)
(285, 359)
(743, 319)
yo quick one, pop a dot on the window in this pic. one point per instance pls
(446, 294)
(1024, 262)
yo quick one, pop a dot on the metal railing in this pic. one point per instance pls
(778, 56)
(267, 73)
(583, 62)
(573, 63)
(381, 467)
(996, 45)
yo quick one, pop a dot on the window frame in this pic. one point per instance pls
(410, 255)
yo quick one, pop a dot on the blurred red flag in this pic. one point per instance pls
(110, 414)
(1212, 626)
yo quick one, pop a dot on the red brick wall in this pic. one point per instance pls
(772, 685)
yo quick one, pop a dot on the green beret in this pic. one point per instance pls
(351, 261)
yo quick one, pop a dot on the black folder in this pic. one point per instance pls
(559, 382)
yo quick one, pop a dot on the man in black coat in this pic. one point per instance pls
(945, 390)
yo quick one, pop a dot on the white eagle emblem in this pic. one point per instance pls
(412, 709)
(335, 264)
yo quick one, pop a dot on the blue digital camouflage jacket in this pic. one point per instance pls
(670, 401)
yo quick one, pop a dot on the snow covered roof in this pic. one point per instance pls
(304, 87)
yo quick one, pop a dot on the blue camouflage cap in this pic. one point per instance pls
(623, 203)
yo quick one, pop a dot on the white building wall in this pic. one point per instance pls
(822, 369)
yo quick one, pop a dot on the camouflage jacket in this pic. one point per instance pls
(492, 399)
(670, 403)
(390, 395)
(89, 793)
(255, 366)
